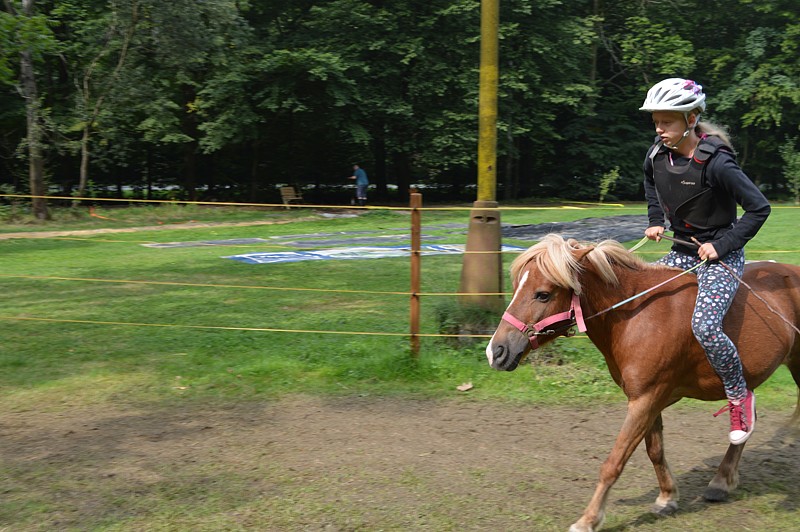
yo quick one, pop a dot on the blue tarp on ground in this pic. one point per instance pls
(351, 253)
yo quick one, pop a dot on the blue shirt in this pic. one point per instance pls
(361, 177)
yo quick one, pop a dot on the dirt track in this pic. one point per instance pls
(378, 464)
(162, 227)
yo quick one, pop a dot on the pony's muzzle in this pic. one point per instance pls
(506, 355)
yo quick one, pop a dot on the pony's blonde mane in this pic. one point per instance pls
(556, 259)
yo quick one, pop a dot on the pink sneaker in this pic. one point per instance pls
(743, 418)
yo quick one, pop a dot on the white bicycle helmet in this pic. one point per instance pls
(675, 94)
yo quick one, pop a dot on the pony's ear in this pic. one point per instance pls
(580, 253)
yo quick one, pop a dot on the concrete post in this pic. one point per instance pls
(482, 271)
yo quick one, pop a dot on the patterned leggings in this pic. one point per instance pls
(715, 291)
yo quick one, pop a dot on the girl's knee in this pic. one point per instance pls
(706, 333)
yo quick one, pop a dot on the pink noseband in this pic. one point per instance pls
(557, 324)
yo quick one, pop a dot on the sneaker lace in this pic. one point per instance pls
(737, 416)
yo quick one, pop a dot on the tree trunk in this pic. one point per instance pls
(380, 164)
(83, 178)
(508, 178)
(529, 180)
(190, 170)
(149, 171)
(402, 169)
(255, 161)
(592, 100)
(190, 149)
(35, 150)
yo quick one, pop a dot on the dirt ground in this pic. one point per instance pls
(365, 463)
(162, 227)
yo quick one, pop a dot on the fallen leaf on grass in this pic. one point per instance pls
(464, 387)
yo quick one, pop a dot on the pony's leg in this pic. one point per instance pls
(794, 369)
(667, 501)
(638, 421)
(727, 477)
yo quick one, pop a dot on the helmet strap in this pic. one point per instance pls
(685, 133)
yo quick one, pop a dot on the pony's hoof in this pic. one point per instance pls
(664, 510)
(582, 525)
(715, 494)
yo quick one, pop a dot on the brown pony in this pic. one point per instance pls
(647, 342)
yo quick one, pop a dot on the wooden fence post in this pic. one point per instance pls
(416, 232)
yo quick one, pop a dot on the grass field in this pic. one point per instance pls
(98, 319)
(89, 348)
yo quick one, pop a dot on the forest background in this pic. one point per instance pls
(223, 100)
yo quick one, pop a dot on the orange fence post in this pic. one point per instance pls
(416, 232)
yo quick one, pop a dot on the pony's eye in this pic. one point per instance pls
(542, 296)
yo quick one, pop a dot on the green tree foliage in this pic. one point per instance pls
(225, 99)
(759, 80)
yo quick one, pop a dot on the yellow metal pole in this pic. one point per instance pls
(487, 102)
(482, 272)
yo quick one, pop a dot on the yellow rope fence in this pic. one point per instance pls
(279, 288)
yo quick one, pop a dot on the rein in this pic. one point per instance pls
(645, 292)
(561, 324)
(735, 275)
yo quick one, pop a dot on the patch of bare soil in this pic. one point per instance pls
(361, 463)
(187, 225)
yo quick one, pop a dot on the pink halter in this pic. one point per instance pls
(557, 324)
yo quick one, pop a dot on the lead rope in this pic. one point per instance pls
(696, 245)
(644, 292)
(735, 275)
(641, 243)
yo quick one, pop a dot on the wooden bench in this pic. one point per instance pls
(290, 194)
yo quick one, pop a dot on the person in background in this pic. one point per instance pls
(362, 182)
(692, 180)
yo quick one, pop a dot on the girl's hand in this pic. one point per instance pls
(654, 232)
(707, 252)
